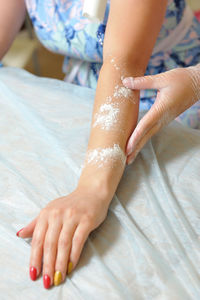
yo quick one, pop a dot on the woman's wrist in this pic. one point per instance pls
(102, 180)
(98, 188)
(101, 189)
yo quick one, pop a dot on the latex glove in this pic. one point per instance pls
(178, 89)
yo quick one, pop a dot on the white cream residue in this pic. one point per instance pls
(109, 99)
(102, 156)
(122, 92)
(114, 64)
(107, 116)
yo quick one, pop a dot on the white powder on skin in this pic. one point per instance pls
(109, 99)
(114, 64)
(107, 116)
(121, 91)
(101, 156)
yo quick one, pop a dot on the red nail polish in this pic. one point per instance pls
(46, 281)
(33, 273)
(19, 231)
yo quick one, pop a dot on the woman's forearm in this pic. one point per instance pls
(128, 46)
(115, 115)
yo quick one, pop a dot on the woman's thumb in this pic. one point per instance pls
(145, 82)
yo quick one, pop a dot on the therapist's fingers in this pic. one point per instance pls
(149, 120)
(27, 231)
(142, 142)
(146, 82)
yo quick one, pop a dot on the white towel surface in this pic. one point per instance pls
(147, 248)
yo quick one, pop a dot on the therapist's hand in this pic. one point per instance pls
(60, 231)
(178, 89)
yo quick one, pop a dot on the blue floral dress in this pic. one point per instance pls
(61, 28)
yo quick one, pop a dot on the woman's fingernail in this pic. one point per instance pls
(33, 273)
(19, 231)
(70, 267)
(57, 278)
(46, 281)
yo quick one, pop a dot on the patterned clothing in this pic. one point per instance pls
(61, 28)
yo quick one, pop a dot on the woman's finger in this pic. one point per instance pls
(63, 252)
(146, 82)
(37, 242)
(27, 231)
(80, 236)
(142, 142)
(50, 251)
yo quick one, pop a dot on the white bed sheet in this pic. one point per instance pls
(148, 246)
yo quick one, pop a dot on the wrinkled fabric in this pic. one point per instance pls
(148, 247)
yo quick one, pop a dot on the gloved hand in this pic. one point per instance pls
(178, 89)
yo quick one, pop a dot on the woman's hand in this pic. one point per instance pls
(60, 230)
(178, 89)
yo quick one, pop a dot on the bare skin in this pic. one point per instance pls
(62, 227)
(12, 15)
